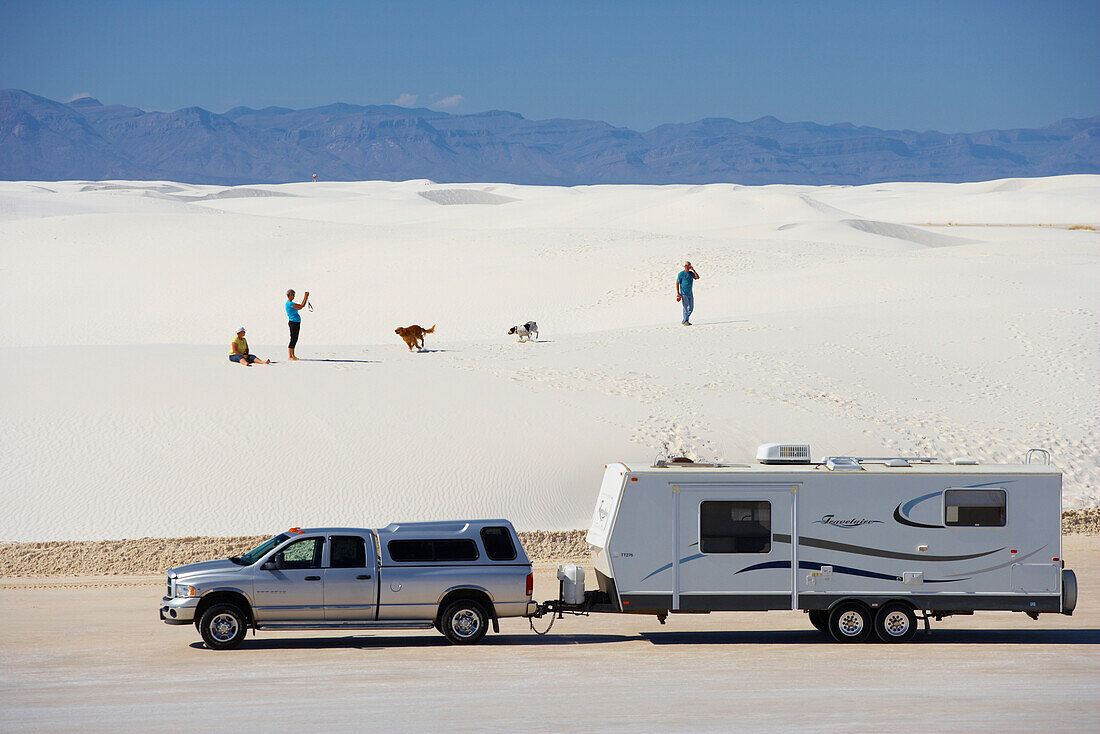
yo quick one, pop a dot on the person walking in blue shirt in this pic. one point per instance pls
(294, 319)
(684, 281)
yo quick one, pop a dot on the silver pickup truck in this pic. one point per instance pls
(457, 577)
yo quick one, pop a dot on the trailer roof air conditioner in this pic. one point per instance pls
(783, 453)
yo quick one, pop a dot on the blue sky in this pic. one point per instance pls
(951, 66)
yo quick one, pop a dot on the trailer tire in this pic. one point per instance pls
(895, 622)
(819, 618)
(464, 622)
(850, 621)
(1069, 591)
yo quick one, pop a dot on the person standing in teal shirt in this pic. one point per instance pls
(684, 281)
(294, 319)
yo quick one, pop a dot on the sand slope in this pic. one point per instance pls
(834, 315)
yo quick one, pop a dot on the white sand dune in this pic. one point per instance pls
(860, 319)
(450, 197)
(905, 233)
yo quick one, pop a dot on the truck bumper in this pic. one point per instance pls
(178, 611)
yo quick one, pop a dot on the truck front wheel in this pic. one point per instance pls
(223, 627)
(464, 622)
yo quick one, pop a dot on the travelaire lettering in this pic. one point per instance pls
(853, 522)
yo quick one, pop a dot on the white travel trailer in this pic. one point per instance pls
(860, 544)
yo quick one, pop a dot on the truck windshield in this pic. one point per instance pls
(259, 551)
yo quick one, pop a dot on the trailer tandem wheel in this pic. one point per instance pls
(850, 621)
(819, 618)
(895, 622)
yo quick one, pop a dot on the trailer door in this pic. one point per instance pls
(732, 546)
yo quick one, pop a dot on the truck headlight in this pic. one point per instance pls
(182, 590)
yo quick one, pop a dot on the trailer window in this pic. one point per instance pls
(432, 551)
(980, 508)
(498, 544)
(735, 527)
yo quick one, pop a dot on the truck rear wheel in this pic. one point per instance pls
(223, 627)
(819, 618)
(464, 622)
(895, 622)
(850, 622)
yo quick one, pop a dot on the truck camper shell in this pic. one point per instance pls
(918, 535)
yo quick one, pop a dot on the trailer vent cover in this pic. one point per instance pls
(783, 453)
(841, 463)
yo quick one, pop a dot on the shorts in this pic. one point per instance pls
(250, 358)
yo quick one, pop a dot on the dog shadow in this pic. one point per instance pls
(431, 351)
(350, 361)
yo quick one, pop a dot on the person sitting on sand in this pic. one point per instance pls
(239, 351)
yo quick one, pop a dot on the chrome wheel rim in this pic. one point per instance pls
(850, 623)
(896, 623)
(465, 623)
(223, 627)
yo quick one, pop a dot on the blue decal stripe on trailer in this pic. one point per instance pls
(667, 566)
(877, 552)
(901, 512)
(1014, 559)
(846, 570)
(844, 548)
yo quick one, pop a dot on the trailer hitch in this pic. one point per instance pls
(594, 601)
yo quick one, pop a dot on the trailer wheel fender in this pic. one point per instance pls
(874, 606)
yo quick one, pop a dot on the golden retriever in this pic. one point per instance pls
(413, 335)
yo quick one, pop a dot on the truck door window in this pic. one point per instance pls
(498, 544)
(980, 508)
(348, 551)
(304, 553)
(735, 527)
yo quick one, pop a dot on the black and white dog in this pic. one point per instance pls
(527, 332)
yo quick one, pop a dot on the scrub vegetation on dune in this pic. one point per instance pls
(148, 556)
(823, 314)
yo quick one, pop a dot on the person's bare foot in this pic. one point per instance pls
(267, 361)
(292, 359)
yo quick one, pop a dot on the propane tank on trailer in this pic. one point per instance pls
(572, 583)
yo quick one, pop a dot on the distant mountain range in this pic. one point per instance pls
(42, 139)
